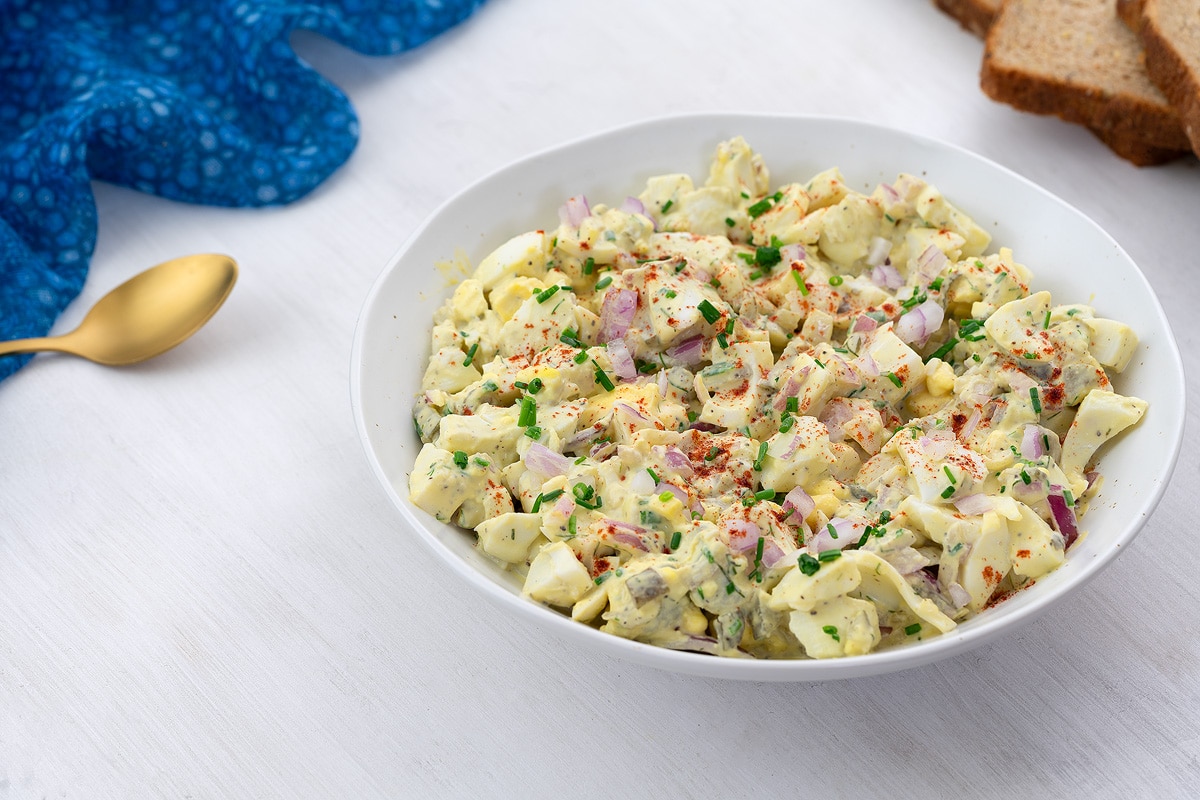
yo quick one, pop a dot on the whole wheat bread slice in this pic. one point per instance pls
(1075, 60)
(974, 15)
(1170, 32)
(1130, 12)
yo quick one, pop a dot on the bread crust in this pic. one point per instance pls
(975, 16)
(1130, 12)
(1170, 33)
(1029, 63)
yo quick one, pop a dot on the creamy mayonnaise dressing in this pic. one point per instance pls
(801, 422)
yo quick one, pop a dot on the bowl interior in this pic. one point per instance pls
(1068, 253)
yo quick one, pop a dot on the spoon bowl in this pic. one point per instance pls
(146, 315)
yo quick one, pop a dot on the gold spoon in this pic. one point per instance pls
(146, 315)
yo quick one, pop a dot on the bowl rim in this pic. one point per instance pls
(798, 670)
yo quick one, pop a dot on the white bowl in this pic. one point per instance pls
(1069, 254)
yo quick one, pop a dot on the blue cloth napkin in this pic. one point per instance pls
(194, 100)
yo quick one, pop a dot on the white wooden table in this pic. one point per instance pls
(204, 592)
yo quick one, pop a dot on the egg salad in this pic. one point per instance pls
(790, 422)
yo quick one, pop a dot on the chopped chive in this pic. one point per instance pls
(793, 405)
(729, 221)
(948, 491)
(528, 414)
(667, 206)
(808, 565)
(589, 266)
(944, 350)
(786, 424)
(709, 311)
(603, 282)
(832, 530)
(676, 538)
(1037, 401)
(666, 497)
(460, 458)
(546, 294)
(829, 555)
(571, 524)
(581, 357)
(653, 474)
(580, 460)
(1046, 442)
(800, 282)
(483, 462)
(911, 629)
(765, 494)
(535, 385)
(836, 280)
(570, 337)
(1025, 477)
(1046, 323)
(669, 294)
(533, 432)
(722, 341)
(936, 285)
(949, 474)
(716, 284)
(603, 379)
(1070, 498)
(522, 385)
(471, 354)
(548, 496)
(762, 453)
(713, 453)
(820, 363)
(832, 631)
(759, 208)
(537, 504)
(894, 378)
(767, 257)
(1029, 356)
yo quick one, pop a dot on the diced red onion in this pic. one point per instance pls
(772, 553)
(866, 364)
(893, 196)
(645, 586)
(689, 351)
(791, 253)
(1020, 382)
(848, 533)
(835, 415)
(583, 437)
(920, 323)
(1031, 442)
(789, 390)
(631, 411)
(800, 501)
(622, 360)
(575, 210)
(564, 505)
(543, 460)
(958, 595)
(680, 494)
(880, 248)
(864, 324)
(743, 535)
(887, 276)
(663, 385)
(677, 460)
(1091, 476)
(972, 422)
(630, 539)
(601, 451)
(633, 205)
(931, 263)
(1064, 515)
(973, 505)
(616, 313)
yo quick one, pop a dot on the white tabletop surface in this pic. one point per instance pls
(205, 593)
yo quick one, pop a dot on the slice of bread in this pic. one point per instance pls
(1170, 32)
(1075, 59)
(1130, 12)
(974, 15)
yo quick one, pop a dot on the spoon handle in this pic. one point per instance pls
(32, 345)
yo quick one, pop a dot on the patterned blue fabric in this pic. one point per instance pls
(196, 100)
